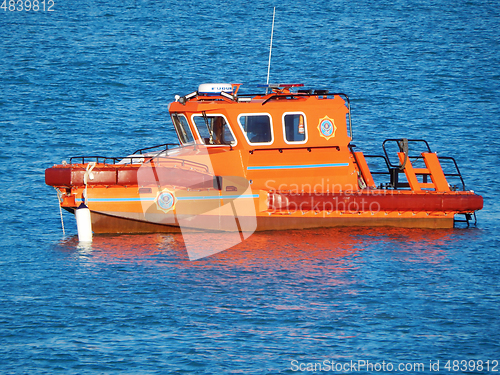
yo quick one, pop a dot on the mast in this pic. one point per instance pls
(270, 50)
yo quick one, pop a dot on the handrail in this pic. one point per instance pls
(397, 140)
(280, 149)
(386, 162)
(183, 162)
(96, 157)
(291, 95)
(104, 158)
(458, 174)
(275, 96)
(301, 94)
(390, 169)
(149, 148)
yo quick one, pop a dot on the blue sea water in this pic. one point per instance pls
(96, 77)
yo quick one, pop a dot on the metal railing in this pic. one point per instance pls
(163, 145)
(393, 170)
(113, 160)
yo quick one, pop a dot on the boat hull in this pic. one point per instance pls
(274, 211)
(103, 223)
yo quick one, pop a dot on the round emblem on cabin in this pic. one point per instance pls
(165, 201)
(327, 128)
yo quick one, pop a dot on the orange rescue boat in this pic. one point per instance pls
(270, 161)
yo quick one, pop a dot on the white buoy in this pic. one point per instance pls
(83, 223)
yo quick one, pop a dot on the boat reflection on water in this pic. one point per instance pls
(324, 247)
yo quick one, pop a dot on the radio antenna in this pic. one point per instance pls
(270, 49)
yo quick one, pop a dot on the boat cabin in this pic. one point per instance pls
(279, 135)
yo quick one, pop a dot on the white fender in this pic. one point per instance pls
(83, 223)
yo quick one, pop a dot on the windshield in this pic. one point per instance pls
(214, 129)
(182, 128)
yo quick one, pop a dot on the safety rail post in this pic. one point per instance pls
(458, 174)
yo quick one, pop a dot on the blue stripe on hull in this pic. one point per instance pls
(151, 199)
(269, 167)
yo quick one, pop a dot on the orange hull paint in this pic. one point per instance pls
(102, 223)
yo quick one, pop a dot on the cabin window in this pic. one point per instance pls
(182, 128)
(257, 128)
(214, 130)
(295, 127)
